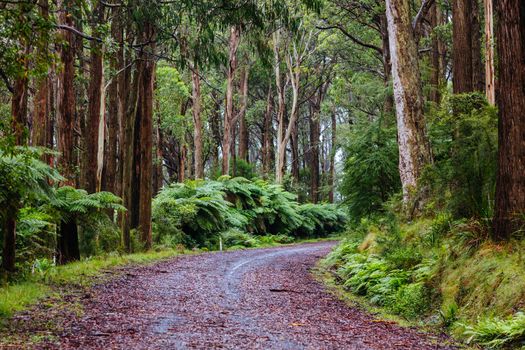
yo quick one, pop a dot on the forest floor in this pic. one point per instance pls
(249, 299)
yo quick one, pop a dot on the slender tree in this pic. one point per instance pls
(489, 53)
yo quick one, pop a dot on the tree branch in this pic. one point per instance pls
(353, 38)
(421, 14)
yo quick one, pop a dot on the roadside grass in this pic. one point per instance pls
(18, 296)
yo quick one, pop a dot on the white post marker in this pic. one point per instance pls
(220, 243)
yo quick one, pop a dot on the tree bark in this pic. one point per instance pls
(510, 186)
(138, 144)
(466, 53)
(68, 242)
(331, 180)
(228, 116)
(243, 125)
(9, 246)
(197, 121)
(96, 111)
(478, 78)
(66, 100)
(435, 79)
(414, 148)
(461, 42)
(267, 153)
(19, 110)
(41, 99)
(146, 144)
(281, 108)
(110, 179)
(489, 53)
(387, 65)
(315, 135)
(216, 130)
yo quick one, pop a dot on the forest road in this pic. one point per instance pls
(250, 299)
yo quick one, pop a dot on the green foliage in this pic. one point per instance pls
(496, 333)
(381, 282)
(371, 170)
(236, 238)
(91, 212)
(463, 133)
(194, 213)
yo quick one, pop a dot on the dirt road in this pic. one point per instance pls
(252, 299)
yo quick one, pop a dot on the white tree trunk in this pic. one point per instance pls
(414, 150)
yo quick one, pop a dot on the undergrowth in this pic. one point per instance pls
(438, 271)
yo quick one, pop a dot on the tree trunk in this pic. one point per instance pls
(461, 41)
(66, 100)
(197, 121)
(68, 242)
(110, 179)
(331, 180)
(138, 142)
(9, 247)
(182, 164)
(387, 66)
(146, 146)
(41, 98)
(216, 130)
(414, 149)
(19, 110)
(96, 113)
(243, 126)
(510, 186)
(281, 109)
(478, 78)
(435, 79)
(295, 79)
(466, 54)
(315, 135)
(294, 145)
(228, 116)
(267, 134)
(158, 180)
(489, 53)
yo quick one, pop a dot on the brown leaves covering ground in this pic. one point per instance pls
(252, 299)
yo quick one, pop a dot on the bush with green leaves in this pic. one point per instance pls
(463, 133)
(195, 212)
(371, 173)
(402, 290)
(24, 179)
(93, 213)
(496, 333)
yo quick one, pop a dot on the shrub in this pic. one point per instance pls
(496, 332)
(236, 238)
(195, 212)
(371, 169)
(463, 133)
(411, 300)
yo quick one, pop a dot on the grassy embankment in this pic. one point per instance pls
(437, 273)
